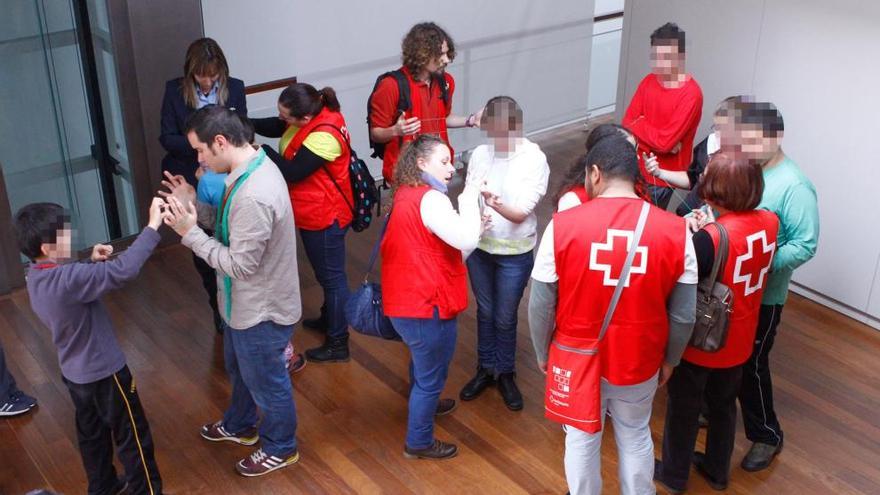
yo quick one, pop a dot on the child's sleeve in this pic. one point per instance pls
(87, 282)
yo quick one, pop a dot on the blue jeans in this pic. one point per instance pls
(431, 343)
(7, 382)
(326, 252)
(498, 282)
(255, 364)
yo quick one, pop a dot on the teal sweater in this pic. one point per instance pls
(791, 195)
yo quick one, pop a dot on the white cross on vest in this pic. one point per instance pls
(640, 260)
(751, 267)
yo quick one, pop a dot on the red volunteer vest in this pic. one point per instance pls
(590, 247)
(432, 113)
(419, 270)
(750, 247)
(316, 200)
(581, 192)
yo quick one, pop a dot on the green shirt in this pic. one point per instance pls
(791, 195)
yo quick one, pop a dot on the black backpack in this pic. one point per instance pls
(363, 187)
(403, 103)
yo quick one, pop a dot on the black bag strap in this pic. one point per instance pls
(624, 274)
(720, 260)
(374, 254)
(327, 171)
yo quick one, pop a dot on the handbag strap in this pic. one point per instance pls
(375, 252)
(624, 274)
(720, 259)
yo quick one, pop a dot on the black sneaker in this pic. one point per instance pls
(445, 406)
(700, 466)
(260, 463)
(760, 456)
(509, 391)
(438, 450)
(477, 385)
(334, 350)
(17, 403)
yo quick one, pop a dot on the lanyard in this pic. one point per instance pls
(222, 225)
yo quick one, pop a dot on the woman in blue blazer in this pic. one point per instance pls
(205, 81)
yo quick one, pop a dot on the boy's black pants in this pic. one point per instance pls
(109, 411)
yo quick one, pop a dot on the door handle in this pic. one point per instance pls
(108, 158)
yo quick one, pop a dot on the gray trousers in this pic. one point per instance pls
(630, 411)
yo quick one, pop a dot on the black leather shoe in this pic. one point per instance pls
(760, 456)
(658, 477)
(475, 387)
(445, 406)
(700, 466)
(319, 323)
(334, 350)
(509, 391)
(439, 450)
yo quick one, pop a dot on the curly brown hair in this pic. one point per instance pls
(424, 43)
(407, 171)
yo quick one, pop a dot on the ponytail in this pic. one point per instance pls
(328, 98)
(303, 100)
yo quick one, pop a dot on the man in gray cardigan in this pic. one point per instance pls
(254, 254)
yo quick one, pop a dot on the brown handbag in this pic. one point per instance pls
(714, 300)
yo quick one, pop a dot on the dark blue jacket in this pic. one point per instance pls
(181, 159)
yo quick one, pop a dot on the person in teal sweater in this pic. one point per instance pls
(789, 193)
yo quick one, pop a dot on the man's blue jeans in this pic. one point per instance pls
(498, 282)
(431, 343)
(255, 364)
(325, 250)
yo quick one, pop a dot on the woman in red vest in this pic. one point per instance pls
(314, 157)
(424, 280)
(572, 191)
(732, 189)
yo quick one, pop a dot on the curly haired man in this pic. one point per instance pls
(427, 50)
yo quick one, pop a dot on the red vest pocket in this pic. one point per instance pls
(573, 390)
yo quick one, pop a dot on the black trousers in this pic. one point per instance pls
(109, 412)
(688, 387)
(660, 195)
(756, 393)
(209, 282)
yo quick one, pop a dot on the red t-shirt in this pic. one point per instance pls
(662, 117)
(426, 104)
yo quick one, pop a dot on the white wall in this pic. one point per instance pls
(536, 52)
(816, 61)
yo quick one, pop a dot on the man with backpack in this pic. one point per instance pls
(416, 98)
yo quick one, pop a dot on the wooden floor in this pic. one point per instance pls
(352, 416)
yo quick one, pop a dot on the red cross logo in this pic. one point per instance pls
(640, 260)
(752, 267)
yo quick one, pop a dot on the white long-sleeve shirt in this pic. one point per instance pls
(460, 229)
(520, 180)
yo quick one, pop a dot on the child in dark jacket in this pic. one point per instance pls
(66, 296)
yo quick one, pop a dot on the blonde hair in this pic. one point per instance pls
(407, 171)
(204, 56)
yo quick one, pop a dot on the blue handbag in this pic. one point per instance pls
(364, 308)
